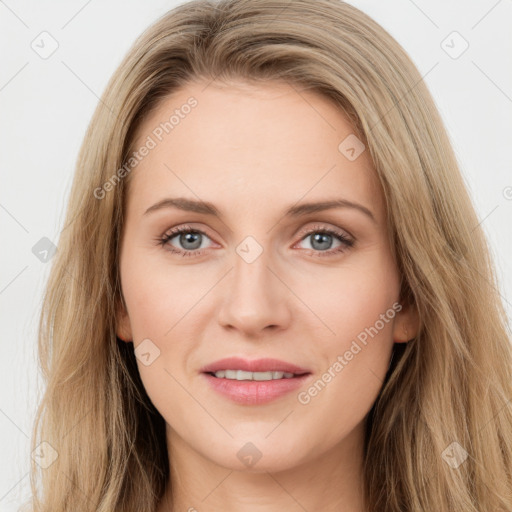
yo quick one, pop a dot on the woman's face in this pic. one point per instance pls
(261, 274)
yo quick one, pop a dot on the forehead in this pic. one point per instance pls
(250, 143)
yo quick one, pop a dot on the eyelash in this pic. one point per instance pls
(347, 243)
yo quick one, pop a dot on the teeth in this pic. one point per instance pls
(243, 375)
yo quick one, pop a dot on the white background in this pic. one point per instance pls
(46, 105)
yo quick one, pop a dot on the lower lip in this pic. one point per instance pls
(254, 392)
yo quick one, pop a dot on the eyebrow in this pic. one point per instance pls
(206, 208)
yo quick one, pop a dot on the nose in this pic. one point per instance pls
(256, 297)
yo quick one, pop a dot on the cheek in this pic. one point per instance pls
(346, 388)
(359, 306)
(159, 295)
(352, 296)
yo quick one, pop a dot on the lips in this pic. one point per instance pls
(250, 392)
(257, 365)
(257, 389)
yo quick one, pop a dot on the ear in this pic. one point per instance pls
(123, 326)
(406, 326)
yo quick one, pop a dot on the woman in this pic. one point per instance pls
(272, 291)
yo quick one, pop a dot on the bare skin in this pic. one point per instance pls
(254, 151)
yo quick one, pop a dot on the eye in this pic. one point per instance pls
(189, 241)
(322, 239)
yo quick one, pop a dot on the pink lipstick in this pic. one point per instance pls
(254, 382)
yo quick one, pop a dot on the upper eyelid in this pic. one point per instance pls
(325, 226)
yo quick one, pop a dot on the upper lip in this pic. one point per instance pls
(257, 365)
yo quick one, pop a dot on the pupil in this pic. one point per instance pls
(320, 241)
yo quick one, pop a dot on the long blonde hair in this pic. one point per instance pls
(446, 392)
